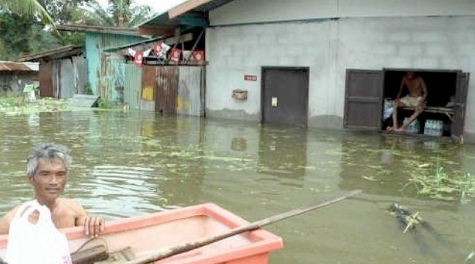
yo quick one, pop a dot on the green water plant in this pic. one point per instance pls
(16, 105)
(444, 186)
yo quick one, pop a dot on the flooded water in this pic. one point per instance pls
(135, 163)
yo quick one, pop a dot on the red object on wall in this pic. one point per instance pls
(252, 78)
(157, 49)
(198, 57)
(175, 56)
(138, 58)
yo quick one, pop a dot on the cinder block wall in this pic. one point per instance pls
(329, 47)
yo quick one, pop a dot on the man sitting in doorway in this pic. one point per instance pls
(416, 97)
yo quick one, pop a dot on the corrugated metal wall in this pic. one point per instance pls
(98, 71)
(55, 77)
(15, 81)
(112, 80)
(190, 99)
(167, 89)
(132, 85)
(80, 75)
(166, 79)
(66, 79)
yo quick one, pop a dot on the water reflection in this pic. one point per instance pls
(274, 156)
(129, 163)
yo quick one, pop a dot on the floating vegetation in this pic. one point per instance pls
(443, 186)
(406, 217)
(15, 105)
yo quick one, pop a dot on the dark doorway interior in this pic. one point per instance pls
(442, 87)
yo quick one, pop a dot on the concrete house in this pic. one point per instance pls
(332, 63)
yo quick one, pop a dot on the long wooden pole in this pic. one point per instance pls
(165, 253)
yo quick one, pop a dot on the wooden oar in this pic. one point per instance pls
(165, 253)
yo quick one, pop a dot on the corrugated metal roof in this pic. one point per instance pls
(10, 66)
(100, 29)
(61, 52)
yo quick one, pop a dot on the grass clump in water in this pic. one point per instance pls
(444, 186)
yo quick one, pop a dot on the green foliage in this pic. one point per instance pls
(28, 8)
(20, 35)
(104, 104)
(62, 10)
(23, 23)
(131, 15)
(15, 31)
(11, 104)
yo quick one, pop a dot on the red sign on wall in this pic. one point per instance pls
(252, 78)
(138, 58)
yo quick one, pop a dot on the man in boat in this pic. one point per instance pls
(47, 170)
(416, 97)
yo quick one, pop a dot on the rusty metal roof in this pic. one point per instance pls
(10, 66)
(57, 53)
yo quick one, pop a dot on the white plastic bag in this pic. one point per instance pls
(40, 242)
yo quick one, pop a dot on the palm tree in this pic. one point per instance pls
(120, 13)
(29, 8)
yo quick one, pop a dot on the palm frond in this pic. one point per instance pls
(29, 8)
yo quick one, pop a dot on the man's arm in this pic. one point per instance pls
(424, 89)
(400, 89)
(93, 225)
(5, 222)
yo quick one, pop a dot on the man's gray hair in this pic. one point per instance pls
(49, 152)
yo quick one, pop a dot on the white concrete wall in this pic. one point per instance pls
(329, 47)
(256, 11)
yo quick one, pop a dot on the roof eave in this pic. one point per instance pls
(99, 29)
(62, 52)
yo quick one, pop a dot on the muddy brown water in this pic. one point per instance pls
(135, 163)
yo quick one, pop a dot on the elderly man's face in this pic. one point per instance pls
(49, 180)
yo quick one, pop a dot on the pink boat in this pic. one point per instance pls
(143, 235)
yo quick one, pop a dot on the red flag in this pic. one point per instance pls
(157, 49)
(138, 58)
(175, 56)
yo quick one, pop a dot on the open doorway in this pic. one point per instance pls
(369, 96)
(438, 115)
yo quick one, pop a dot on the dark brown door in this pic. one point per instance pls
(284, 95)
(45, 74)
(363, 100)
(167, 89)
(458, 123)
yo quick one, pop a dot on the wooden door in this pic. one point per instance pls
(284, 98)
(461, 92)
(45, 75)
(167, 89)
(363, 99)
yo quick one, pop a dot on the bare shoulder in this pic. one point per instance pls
(72, 205)
(419, 79)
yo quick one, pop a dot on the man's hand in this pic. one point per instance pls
(93, 225)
